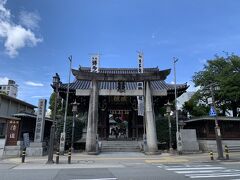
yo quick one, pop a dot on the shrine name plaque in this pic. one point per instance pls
(12, 132)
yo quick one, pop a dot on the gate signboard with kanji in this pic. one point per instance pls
(12, 132)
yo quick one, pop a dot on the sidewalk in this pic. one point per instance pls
(114, 160)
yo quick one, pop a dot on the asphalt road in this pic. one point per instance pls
(127, 171)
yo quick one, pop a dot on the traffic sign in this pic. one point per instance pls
(212, 112)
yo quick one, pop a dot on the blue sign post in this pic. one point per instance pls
(212, 112)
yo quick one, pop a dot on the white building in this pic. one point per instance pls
(184, 98)
(11, 89)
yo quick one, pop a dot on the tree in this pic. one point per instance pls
(163, 131)
(52, 103)
(225, 72)
(79, 124)
(194, 106)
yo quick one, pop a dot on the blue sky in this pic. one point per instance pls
(36, 37)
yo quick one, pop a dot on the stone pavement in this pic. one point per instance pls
(114, 159)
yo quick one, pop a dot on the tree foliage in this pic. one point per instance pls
(163, 131)
(194, 107)
(225, 72)
(52, 103)
(80, 120)
(79, 124)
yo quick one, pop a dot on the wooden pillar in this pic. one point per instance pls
(91, 143)
(151, 133)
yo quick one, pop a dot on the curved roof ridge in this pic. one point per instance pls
(113, 68)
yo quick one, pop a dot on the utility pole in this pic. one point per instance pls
(63, 134)
(217, 128)
(175, 60)
(178, 136)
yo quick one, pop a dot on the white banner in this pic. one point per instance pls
(140, 86)
(140, 62)
(62, 142)
(95, 63)
(140, 105)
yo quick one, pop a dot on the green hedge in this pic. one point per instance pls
(163, 132)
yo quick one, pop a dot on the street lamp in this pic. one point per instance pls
(217, 128)
(178, 135)
(56, 83)
(74, 110)
(168, 110)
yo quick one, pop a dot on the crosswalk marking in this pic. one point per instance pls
(97, 179)
(202, 171)
(214, 175)
(194, 168)
(207, 171)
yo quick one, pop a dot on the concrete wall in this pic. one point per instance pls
(2, 143)
(207, 145)
(8, 107)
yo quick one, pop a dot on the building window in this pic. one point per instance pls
(8, 87)
(2, 129)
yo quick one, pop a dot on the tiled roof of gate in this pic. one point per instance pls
(119, 70)
(155, 85)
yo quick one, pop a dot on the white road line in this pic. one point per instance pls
(187, 165)
(212, 175)
(97, 179)
(208, 171)
(196, 168)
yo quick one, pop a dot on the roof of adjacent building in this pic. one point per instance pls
(17, 100)
(155, 85)
(208, 118)
(9, 118)
(29, 115)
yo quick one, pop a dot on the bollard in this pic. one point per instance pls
(57, 157)
(211, 155)
(226, 152)
(69, 156)
(23, 155)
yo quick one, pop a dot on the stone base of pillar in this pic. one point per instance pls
(84, 136)
(152, 153)
(92, 153)
(11, 151)
(36, 149)
(98, 148)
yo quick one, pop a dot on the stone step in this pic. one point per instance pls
(120, 142)
(120, 150)
(120, 146)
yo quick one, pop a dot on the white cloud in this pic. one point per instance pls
(4, 80)
(16, 36)
(30, 83)
(29, 19)
(38, 96)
